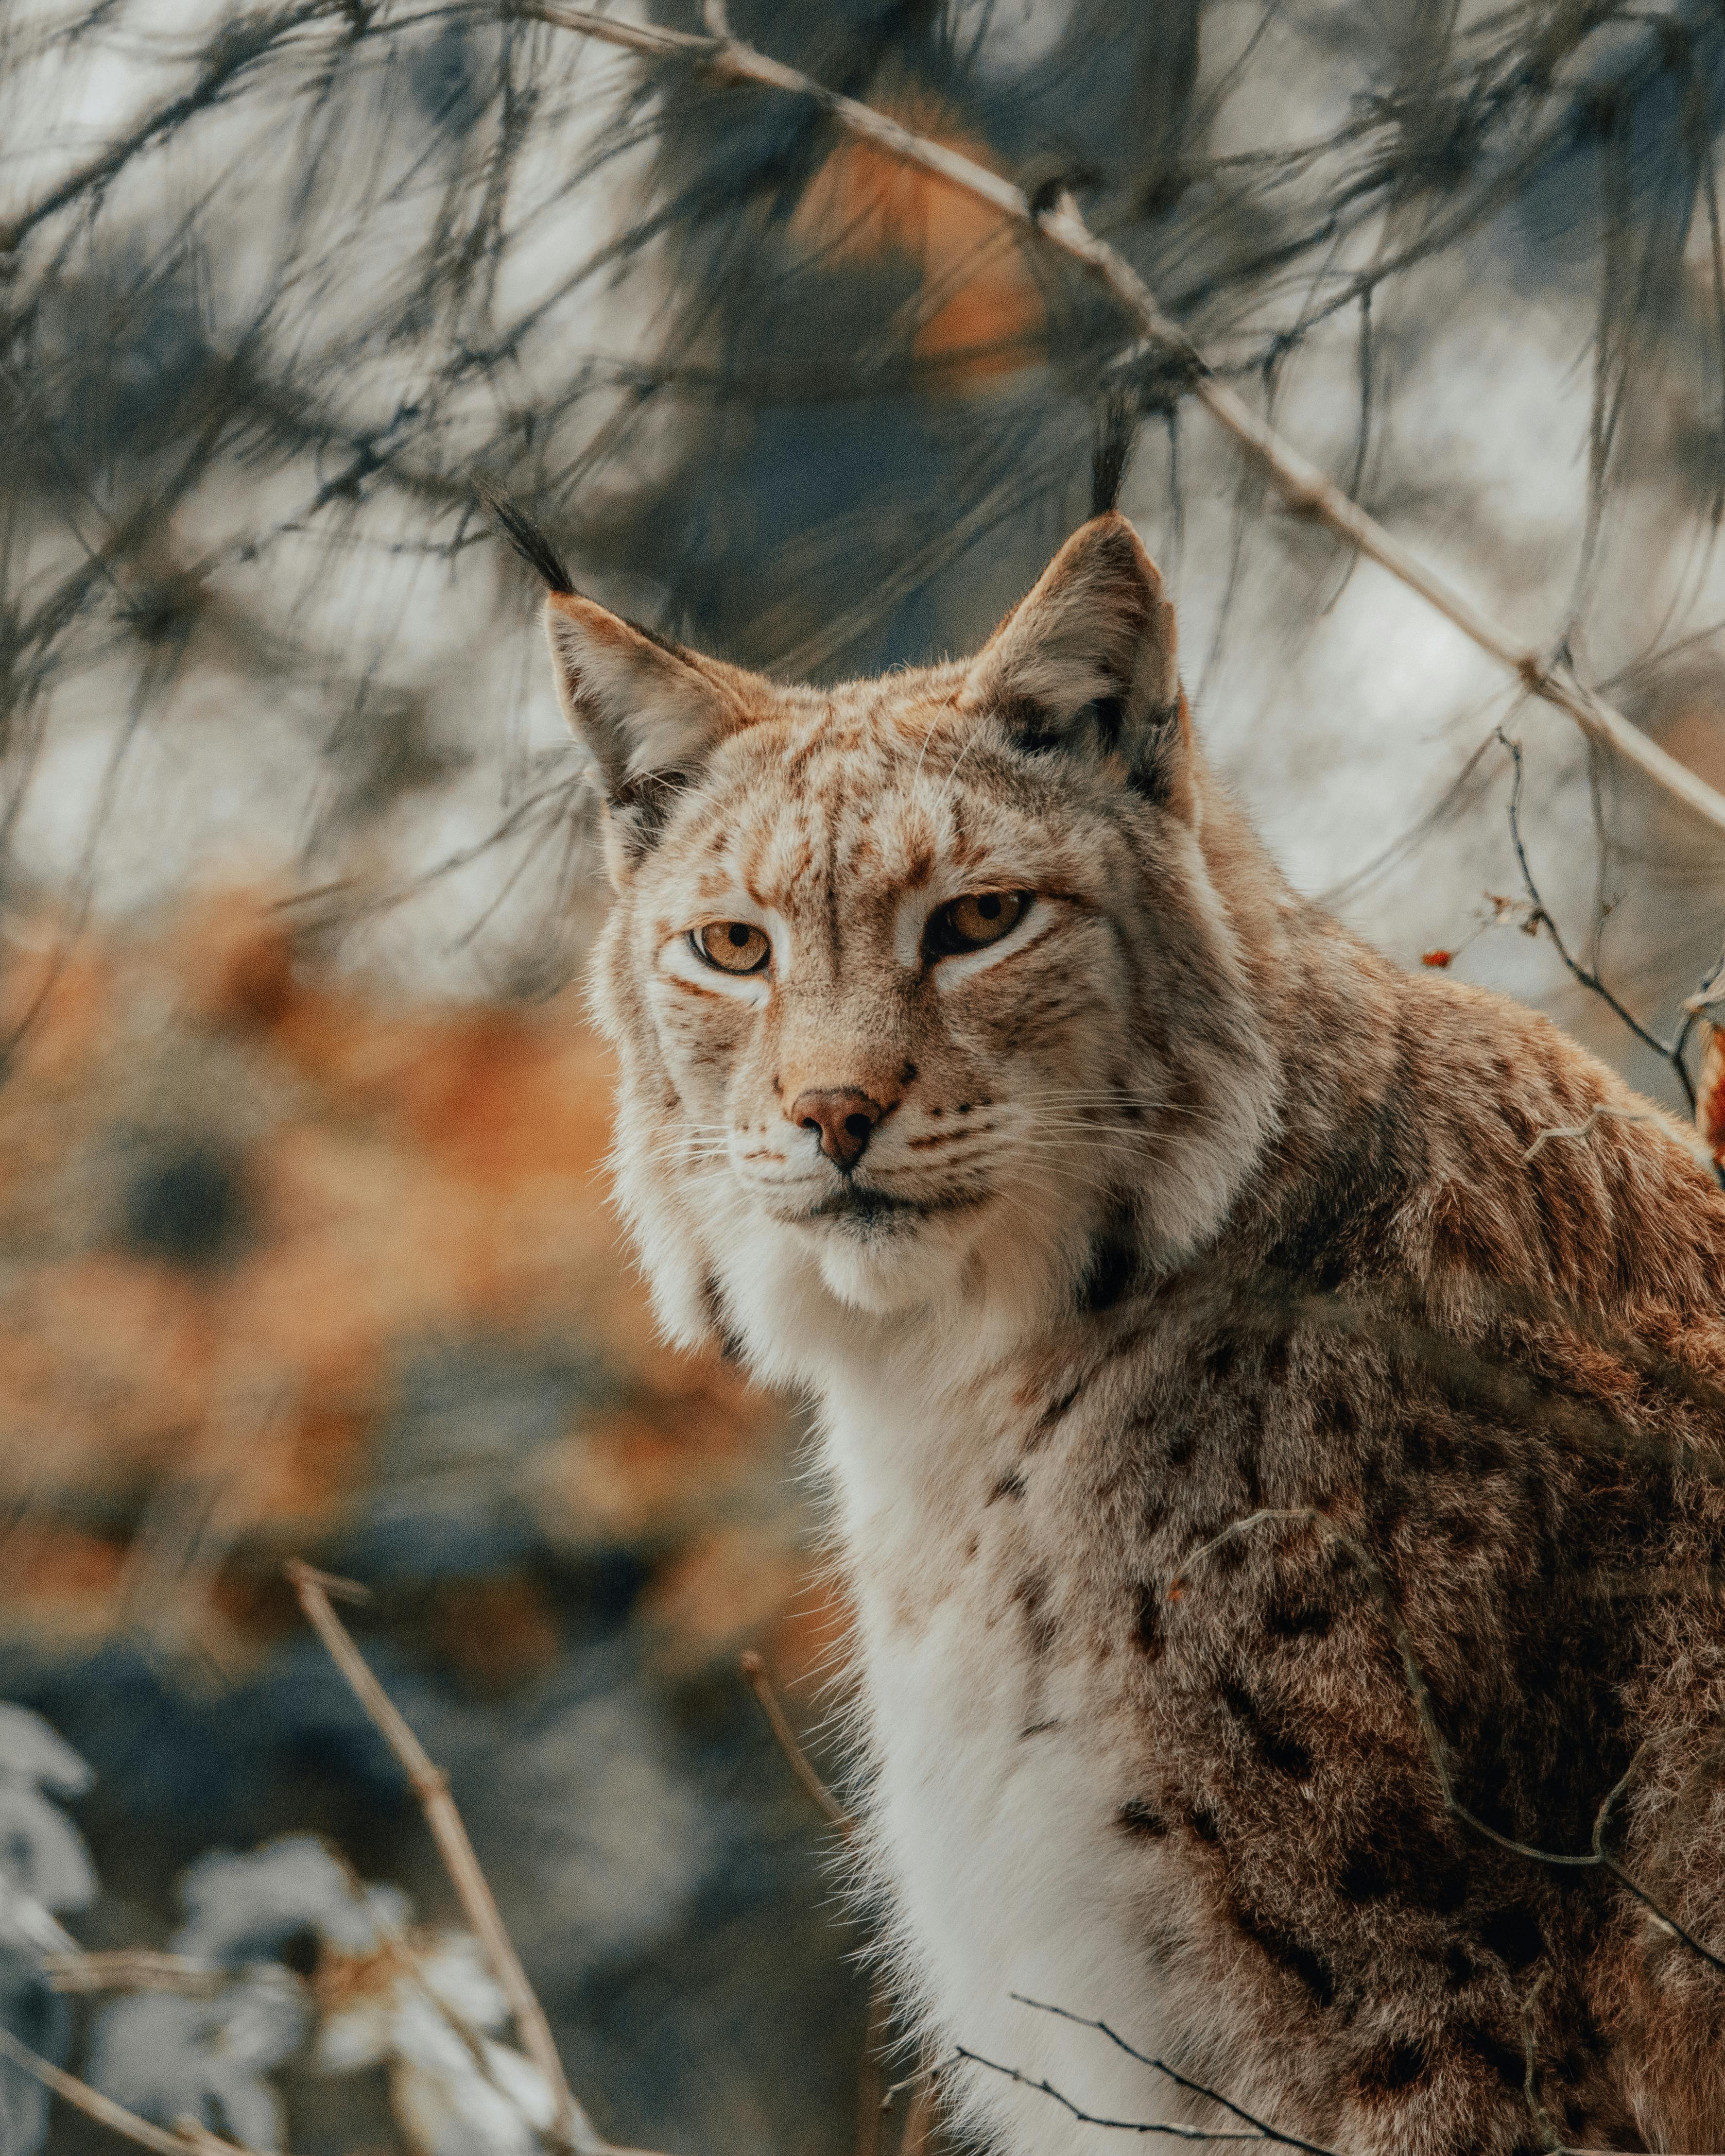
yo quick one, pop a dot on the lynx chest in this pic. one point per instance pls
(1001, 1763)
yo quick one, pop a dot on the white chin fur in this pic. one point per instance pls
(901, 1269)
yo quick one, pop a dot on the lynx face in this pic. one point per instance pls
(921, 987)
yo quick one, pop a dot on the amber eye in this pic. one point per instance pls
(734, 947)
(973, 922)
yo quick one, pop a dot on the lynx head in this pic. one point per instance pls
(925, 989)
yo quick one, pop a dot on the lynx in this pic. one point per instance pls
(1272, 1404)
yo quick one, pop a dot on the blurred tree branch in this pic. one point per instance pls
(1306, 489)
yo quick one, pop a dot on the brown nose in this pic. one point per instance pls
(845, 1120)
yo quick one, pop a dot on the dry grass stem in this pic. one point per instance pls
(131, 1968)
(197, 2135)
(874, 2097)
(1307, 491)
(755, 1669)
(923, 2073)
(920, 2118)
(571, 2125)
(1594, 1116)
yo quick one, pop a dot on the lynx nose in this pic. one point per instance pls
(845, 1120)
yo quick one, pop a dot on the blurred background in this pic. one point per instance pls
(303, 1242)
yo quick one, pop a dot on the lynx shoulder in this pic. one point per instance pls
(1277, 1473)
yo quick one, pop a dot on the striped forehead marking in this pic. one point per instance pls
(858, 825)
(852, 789)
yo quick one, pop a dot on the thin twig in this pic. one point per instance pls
(1263, 2134)
(571, 2125)
(924, 2073)
(1180, 2081)
(1604, 1113)
(115, 2116)
(1306, 489)
(755, 1669)
(1174, 2133)
(1668, 1051)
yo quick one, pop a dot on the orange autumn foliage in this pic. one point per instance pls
(398, 1178)
(1710, 1093)
(981, 310)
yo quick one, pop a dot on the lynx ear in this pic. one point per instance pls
(1086, 664)
(651, 712)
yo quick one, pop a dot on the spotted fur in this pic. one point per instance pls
(1181, 1210)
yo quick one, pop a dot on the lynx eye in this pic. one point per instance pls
(734, 947)
(975, 920)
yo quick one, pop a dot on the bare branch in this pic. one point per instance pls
(315, 1589)
(1306, 489)
(239, 49)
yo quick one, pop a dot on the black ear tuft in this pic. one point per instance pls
(524, 535)
(1118, 419)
